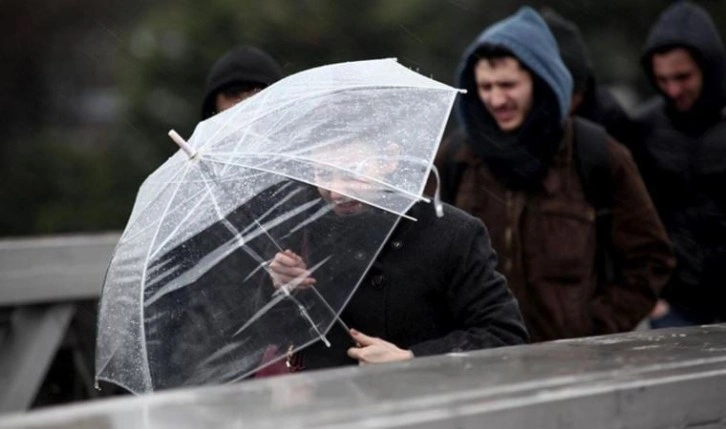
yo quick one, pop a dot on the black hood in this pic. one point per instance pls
(240, 66)
(687, 25)
(572, 48)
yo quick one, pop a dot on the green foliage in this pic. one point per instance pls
(61, 188)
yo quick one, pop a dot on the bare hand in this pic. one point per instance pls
(288, 268)
(660, 310)
(375, 350)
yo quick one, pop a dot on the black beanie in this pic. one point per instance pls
(241, 65)
(572, 48)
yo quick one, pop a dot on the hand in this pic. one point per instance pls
(375, 350)
(288, 268)
(661, 309)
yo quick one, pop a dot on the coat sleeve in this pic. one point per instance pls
(484, 311)
(641, 247)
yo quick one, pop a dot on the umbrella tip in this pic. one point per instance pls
(191, 153)
(439, 209)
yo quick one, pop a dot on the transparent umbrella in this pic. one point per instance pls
(321, 164)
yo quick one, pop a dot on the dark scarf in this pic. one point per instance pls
(520, 158)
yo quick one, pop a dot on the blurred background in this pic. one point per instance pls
(89, 89)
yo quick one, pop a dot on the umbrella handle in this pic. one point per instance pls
(191, 153)
(437, 194)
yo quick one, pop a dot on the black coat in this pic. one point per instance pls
(683, 163)
(433, 289)
(459, 301)
(601, 106)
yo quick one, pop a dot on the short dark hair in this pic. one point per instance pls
(492, 54)
(664, 49)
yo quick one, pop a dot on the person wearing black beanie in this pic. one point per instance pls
(236, 75)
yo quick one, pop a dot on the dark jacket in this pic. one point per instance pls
(545, 231)
(433, 289)
(547, 242)
(243, 65)
(683, 162)
(598, 103)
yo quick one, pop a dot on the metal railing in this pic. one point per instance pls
(41, 283)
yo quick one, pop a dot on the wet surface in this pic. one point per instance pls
(629, 378)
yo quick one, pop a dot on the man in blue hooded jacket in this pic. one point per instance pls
(518, 166)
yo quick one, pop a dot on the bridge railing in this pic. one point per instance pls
(41, 282)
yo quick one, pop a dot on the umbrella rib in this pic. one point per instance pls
(249, 130)
(151, 225)
(229, 225)
(178, 227)
(405, 215)
(284, 292)
(308, 160)
(311, 96)
(238, 238)
(149, 203)
(442, 128)
(233, 117)
(144, 351)
(330, 308)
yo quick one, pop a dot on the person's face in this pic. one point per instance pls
(678, 77)
(227, 99)
(505, 88)
(336, 186)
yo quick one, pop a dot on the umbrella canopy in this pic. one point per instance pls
(323, 163)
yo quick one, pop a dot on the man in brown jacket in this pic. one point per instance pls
(524, 167)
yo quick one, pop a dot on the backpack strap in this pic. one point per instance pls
(592, 158)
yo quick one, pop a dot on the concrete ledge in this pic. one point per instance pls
(672, 378)
(53, 269)
(28, 350)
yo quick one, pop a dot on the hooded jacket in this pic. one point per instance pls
(545, 233)
(683, 161)
(598, 104)
(518, 158)
(241, 65)
(687, 25)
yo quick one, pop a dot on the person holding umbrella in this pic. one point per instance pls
(433, 289)
(328, 164)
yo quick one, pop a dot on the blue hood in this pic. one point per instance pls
(522, 157)
(528, 37)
